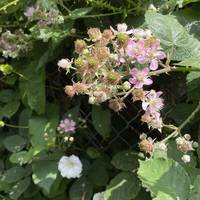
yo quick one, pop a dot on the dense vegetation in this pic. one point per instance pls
(99, 99)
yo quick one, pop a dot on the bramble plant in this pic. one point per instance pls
(99, 100)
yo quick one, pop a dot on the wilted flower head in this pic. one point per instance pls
(67, 126)
(184, 144)
(140, 77)
(70, 167)
(146, 144)
(94, 34)
(116, 104)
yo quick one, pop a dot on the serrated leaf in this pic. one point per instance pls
(6, 95)
(190, 62)
(14, 143)
(176, 40)
(44, 173)
(126, 160)
(81, 189)
(124, 186)
(167, 176)
(101, 119)
(163, 196)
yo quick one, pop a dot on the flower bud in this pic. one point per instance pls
(187, 137)
(65, 64)
(2, 124)
(92, 62)
(126, 85)
(113, 77)
(80, 63)
(92, 100)
(185, 158)
(80, 45)
(195, 145)
(6, 69)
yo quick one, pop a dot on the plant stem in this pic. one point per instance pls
(15, 126)
(3, 8)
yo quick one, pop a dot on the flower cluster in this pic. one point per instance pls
(14, 44)
(43, 17)
(105, 69)
(185, 145)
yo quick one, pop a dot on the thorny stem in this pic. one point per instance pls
(3, 8)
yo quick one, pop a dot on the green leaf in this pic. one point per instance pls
(124, 186)
(81, 189)
(163, 196)
(10, 109)
(7, 95)
(126, 160)
(101, 119)
(21, 157)
(166, 176)
(80, 12)
(44, 173)
(193, 85)
(176, 40)
(195, 193)
(14, 174)
(98, 167)
(14, 143)
(43, 129)
(19, 188)
(190, 62)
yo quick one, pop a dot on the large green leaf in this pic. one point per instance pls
(124, 186)
(126, 160)
(14, 143)
(176, 40)
(45, 173)
(10, 108)
(81, 189)
(190, 62)
(166, 176)
(101, 119)
(21, 157)
(79, 12)
(163, 196)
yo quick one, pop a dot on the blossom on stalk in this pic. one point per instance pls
(67, 126)
(98, 196)
(186, 158)
(70, 166)
(140, 77)
(153, 103)
(65, 64)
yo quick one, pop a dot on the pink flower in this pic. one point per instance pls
(121, 28)
(137, 51)
(156, 122)
(29, 12)
(152, 103)
(67, 126)
(153, 64)
(140, 77)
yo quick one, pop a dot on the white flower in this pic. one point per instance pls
(65, 64)
(70, 167)
(98, 196)
(185, 158)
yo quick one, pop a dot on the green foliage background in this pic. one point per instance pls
(32, 102)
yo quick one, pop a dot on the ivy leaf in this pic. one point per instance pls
(14, 174)
(166, 176)
(44, 173)
(14, 143)
(176, 40)
(101, 119)
(19, 188)
(124, 186)
(81, 189)
(10, 108)
(126, 160)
